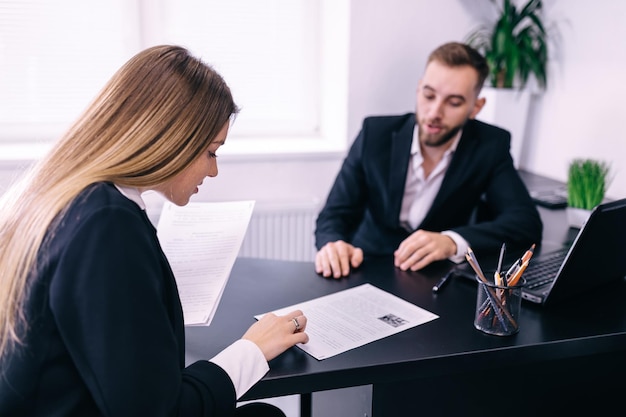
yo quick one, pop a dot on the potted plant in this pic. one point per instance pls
(587, 180)
(516, 46)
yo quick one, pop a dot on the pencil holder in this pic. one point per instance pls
(498, 307)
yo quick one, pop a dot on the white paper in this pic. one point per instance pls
(354, 317)
(201, 242)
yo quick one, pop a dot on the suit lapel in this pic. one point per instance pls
(400, 155)
(459, 168)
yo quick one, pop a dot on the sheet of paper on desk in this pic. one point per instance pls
(354, 317)
(201, 242)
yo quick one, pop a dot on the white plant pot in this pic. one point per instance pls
(577, 217)
(508, 109)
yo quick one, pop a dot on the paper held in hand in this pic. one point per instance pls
(201, 241)
(354, 317)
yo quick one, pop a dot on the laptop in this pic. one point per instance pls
(595, 257)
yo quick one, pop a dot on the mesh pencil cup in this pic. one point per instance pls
(498, 307)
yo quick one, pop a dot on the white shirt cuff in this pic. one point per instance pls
(244, 363)
(461, 246)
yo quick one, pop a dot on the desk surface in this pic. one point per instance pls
(447, 346)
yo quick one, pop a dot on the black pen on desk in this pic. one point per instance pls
(438, 286)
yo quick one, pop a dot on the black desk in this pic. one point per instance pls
(444, 367)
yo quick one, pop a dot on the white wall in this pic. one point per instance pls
(578, 116)
(581, 113)
(390, 42)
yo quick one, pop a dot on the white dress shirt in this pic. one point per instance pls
(420, 192)
(243, 360)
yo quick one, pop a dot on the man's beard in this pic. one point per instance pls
(437, 140)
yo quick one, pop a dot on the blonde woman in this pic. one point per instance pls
(90, 319)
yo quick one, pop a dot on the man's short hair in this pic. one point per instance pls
(456, 54)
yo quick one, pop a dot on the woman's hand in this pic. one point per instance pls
(274, 334)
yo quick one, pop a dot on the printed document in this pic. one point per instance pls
(354, 317)
(201, 242)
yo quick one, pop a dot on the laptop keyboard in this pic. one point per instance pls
(543, 270)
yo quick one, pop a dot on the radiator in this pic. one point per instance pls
(281, 231)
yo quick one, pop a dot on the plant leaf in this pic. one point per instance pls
(515, 45)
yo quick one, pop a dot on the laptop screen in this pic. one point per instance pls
(597, 255)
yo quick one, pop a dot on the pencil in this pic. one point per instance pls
(521, 265)
(474, 263)
(514, 269)
(511, 271)
(518, 273)
(529, 253)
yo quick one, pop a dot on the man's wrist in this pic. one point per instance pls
(461, 246)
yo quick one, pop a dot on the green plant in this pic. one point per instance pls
(515, 46)
(587, 180)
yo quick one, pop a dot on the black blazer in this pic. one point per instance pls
(363, 206)
(105, 330)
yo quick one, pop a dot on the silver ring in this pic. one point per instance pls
(295, 321)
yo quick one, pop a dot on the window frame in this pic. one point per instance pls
(333, 100)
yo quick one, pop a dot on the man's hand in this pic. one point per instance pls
(422, 248)
(336, 258)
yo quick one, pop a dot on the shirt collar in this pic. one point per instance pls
(132, 194)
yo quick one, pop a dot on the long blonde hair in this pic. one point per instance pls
(157, 113)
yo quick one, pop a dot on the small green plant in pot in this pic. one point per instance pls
(587, 180)
(586, 183)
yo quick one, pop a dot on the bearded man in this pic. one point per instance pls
(411, 184)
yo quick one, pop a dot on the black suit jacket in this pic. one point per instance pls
(363, 206)
(105, 332)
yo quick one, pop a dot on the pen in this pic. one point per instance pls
(517, 265)
(513, 268)
(438, 286)
(497, 275)
(523, 264)
(518, 273)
